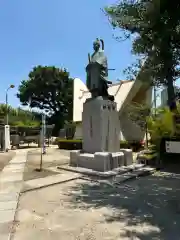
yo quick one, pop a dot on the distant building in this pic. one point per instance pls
(164, 96)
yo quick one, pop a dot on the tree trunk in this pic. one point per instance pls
(58, 121)
(170, 91)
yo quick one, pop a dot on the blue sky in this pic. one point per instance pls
(56, 32)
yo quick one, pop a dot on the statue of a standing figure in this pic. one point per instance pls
(97, 72)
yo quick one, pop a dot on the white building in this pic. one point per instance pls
(124, 93)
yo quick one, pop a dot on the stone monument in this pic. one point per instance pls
(97, 72)
(100, 120)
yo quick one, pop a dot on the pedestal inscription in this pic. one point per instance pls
(100, 126)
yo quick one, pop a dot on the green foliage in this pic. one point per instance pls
(70, 128)
(148, 156)
(72, 144)
(138, 113)
(161, 126)
(50, 89)
(69, 144)
(155, 30)
(19, 117)
(26, 123)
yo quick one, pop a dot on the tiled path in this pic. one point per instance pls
(11, 182)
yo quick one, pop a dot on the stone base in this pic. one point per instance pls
(128, 156)
(101, 161)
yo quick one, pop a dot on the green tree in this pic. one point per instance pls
(50, 89)
(19, 117)
(155, 27)
(139, 113)
(161, 125)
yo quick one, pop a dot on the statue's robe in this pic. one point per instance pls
(97, 72)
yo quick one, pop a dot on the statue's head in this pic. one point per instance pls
(96, 44)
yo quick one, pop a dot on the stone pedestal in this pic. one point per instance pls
(101, 143)
(128, 157)
(100, 161)
(100, 125)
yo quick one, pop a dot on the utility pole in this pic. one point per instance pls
(7, 116)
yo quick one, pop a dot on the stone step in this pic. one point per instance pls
(108, 174)
(86, 171)
(144, 171)
(121, 178)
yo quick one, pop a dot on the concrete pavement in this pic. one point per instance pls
(11, 182)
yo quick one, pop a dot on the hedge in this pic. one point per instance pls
(69, 144)
(73, 144)
(148, 158)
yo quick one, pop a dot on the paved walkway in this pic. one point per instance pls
(144, 209)
(5, 157)
(11, 182)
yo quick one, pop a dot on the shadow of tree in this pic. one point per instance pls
(173, 168)
(149, 207)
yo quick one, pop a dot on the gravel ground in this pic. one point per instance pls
(54, 157)
(145, 209)
(5, 158)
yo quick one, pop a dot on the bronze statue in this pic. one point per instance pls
(97, 72)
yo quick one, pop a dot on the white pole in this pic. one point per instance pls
(44, 134)
(41, 141)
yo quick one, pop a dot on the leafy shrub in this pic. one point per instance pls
(124, 144)
(69, 144)
(70, 129)
(136, 145)
(161, 126)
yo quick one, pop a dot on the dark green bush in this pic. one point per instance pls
(69, 144)
(73, 144)
(136, 145)
(124, 144)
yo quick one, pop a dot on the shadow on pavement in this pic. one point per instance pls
(149, 206)
(171, 168)
(5, 158)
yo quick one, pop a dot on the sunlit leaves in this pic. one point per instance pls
(49, 89)
(19, 117)
(155, 27)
